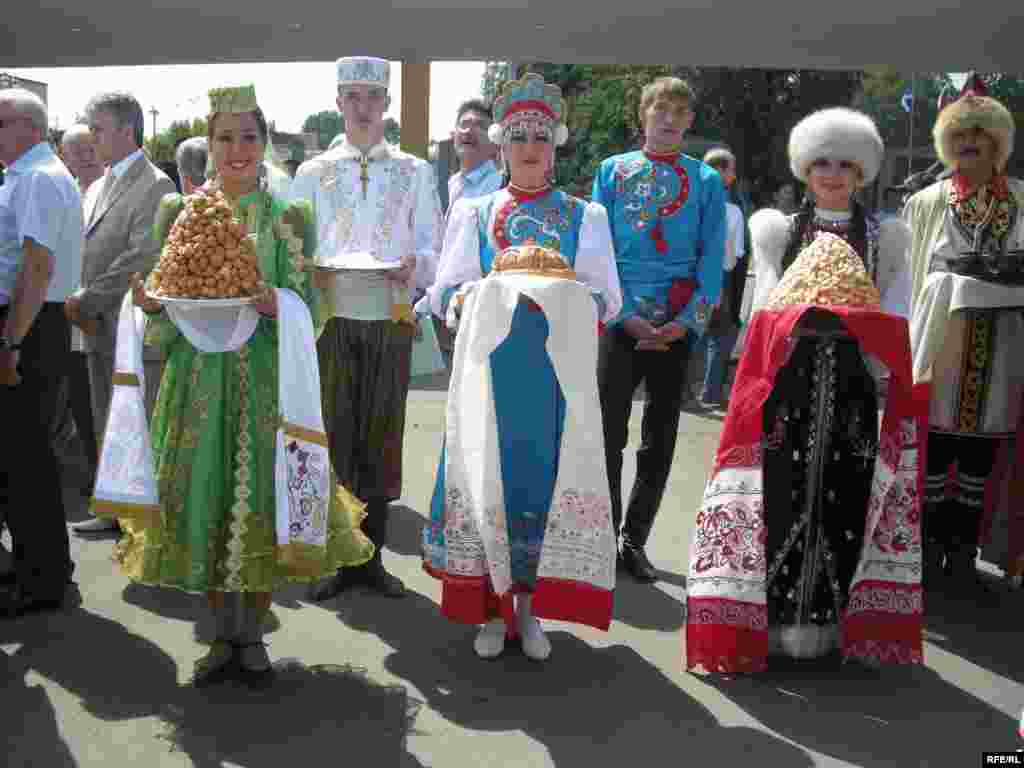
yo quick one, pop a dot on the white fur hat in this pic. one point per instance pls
(839, 134)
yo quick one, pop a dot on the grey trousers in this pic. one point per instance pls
(101, 377)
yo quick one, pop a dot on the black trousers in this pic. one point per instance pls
(31, 499)
(74, 413)
(620, 369)
(953, 523)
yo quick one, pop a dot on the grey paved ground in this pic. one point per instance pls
(375, 682)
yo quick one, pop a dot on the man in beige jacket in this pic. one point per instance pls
(119, 213)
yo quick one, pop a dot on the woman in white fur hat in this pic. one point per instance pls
(815, 499)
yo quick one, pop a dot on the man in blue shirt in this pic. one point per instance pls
(667, 214)
(477, 175)
(40, 253)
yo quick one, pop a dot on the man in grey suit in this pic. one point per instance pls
(119, 213)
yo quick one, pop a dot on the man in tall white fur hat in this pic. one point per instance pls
(967, 294)
(380, 229)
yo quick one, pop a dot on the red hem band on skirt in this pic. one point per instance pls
(719, 648)
(580, 603)
(472, 600)
(726, 635)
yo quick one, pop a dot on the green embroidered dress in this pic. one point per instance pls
(214, 430)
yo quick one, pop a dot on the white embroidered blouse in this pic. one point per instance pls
(392, 211)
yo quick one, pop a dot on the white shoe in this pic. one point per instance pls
(490, 643)
(96, 525)
(535, 643)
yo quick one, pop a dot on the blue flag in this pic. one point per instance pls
(907, 100)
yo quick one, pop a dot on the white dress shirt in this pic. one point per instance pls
(40, 200)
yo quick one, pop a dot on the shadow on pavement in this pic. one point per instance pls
(990, 636)
(645, 606)
(587, 706)
(890, 717)
(310, 715)
(324, 714)
(131, 676)
(31, 737)
(183, 606)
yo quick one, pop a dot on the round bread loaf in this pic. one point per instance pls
(828, 272)
(533, 260)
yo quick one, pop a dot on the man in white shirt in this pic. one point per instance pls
(723, 329)
(374, 204)
(40, 250)
(478, 175)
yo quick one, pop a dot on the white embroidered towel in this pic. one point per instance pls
(125, 481)
(579, 544)
(302, 469)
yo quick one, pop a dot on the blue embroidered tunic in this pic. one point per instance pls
(667, 216)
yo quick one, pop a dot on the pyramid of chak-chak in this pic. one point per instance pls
(828, 273)
(208, 254)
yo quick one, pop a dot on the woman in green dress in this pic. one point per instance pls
(216, 419)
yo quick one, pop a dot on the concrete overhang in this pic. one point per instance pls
(921, 35)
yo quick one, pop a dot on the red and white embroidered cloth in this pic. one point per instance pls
(727, 617)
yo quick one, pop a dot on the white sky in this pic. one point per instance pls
(287, 93)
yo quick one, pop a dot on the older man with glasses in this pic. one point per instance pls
(40, 235)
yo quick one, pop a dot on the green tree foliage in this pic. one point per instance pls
(884, 87)
(753, 110)
(326, 125)
(749, 110)
(161, 148)
(392, 130)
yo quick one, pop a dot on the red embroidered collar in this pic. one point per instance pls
(962, 190)
(522, 194)
(662, 157)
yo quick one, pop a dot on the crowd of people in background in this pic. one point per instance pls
(816, 533)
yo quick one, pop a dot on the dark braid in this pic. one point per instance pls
(801, 221)
(858, 235)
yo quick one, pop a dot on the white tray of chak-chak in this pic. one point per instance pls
(358, 261)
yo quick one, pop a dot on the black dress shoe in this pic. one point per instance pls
(636, 562)
(334, 585)
(379, 580)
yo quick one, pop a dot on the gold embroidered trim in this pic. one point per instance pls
(125, 379)
(974, 373)
(302, 433)
(145, 513)
(240, 510)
